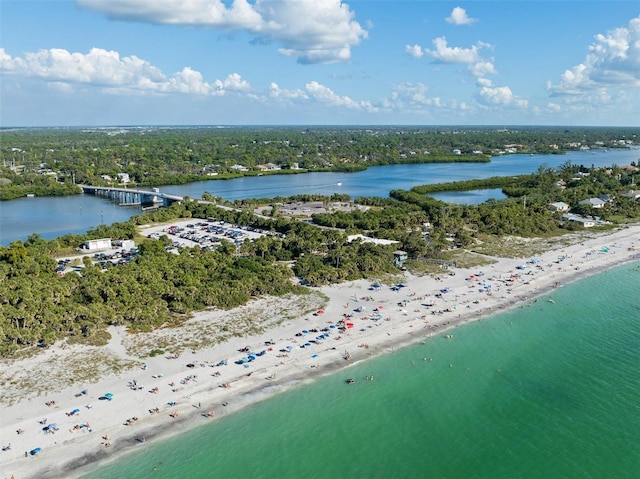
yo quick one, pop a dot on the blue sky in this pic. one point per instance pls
(254, 62)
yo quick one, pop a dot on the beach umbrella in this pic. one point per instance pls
(35, 451)
(75, 411)
(304, 331)
(320, 311)
(109, 396)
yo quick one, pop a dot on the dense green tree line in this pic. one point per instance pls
(160, 156)
(334, 198)
(476, 184)
(525, 212)
(17, 186)
(39, 307)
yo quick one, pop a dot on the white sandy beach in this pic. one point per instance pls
(194, 388)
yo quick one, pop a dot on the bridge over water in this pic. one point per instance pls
(132, 197)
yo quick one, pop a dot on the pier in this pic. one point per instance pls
(132, 197)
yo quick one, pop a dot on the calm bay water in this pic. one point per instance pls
(549, 390)
(52, 217)
(472, 197)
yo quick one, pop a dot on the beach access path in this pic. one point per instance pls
(114, 413)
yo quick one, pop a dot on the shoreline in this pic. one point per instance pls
(389, 321)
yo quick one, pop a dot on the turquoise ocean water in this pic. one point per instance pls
(550, 390)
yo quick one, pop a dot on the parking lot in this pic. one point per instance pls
(183, 234)
(206, 234)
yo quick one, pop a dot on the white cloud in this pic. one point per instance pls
(106, 69)
(482, 68)
(412, 92)
(276, 92)
(213, 13)
(554, 107)
(443, 53)
(459, 17)
(414, 98)
(414, 50)
(233, 82)
(326, 95)
(186, 81)
(312, 31)
(488, 94)
(111, 73)
(316, 92)
(446, 54)
(99, 67)
(612, 61)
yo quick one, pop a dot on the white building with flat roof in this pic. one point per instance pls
(97, 244)
(559, 206)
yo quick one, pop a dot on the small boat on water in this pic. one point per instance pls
(339, 183)
(31, 195)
